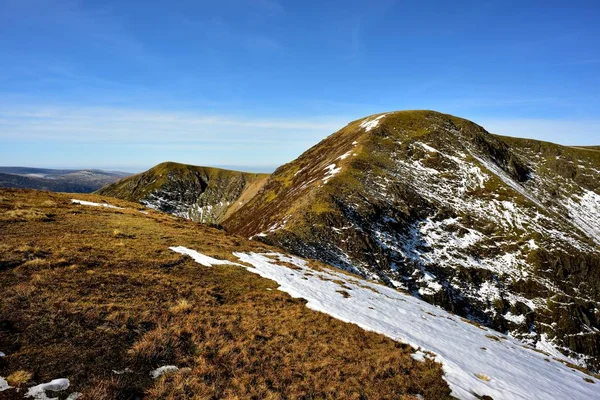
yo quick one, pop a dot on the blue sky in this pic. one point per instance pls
(253, 83)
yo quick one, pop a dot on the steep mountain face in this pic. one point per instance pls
(57, 180)
(202, 194)
(503, 231)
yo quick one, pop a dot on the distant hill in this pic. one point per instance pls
(595, 148)
(203, 194)
(57, 180)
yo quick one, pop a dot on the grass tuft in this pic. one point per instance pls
(19, 378)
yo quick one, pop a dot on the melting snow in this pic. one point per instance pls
(370, 124)
(345, 155)
(122, 371)
(89, 203)
(4, 385)
(419, 356)
(429, 148)
(200, 258)
(167, 369)
(331, 172)
(515, 372)
(39, 392)
(585, 213)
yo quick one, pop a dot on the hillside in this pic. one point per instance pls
(92, 293)
(202, 194)
(500, 230)
(103, 299)
(57, 180)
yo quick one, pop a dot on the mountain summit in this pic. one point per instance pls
(500, 230)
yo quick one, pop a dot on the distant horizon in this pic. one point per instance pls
(137, 170)
(134, 169)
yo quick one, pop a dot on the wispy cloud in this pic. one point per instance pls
(145, 127)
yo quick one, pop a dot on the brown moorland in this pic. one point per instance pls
(94, 294)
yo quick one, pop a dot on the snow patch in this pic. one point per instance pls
(201, 258)
(331, 172)
(419, 356)
(167, 369)
(515, 319)
(4, 385)
(39, 392)
(89, 203)
(122, 371)
(370, 124)
(585, 213)
(345, 155)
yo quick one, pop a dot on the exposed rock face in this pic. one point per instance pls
(202, 194)
(501, 230)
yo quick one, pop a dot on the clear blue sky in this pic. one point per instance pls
(125, 84)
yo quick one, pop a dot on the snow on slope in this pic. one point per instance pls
(56, 385)
(200, 258)
(369, 124)
(89, 203)
(585, 213)
(4, 385)
(475, 360)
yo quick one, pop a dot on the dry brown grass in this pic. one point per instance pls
(19, 378)
(78, 302)
(182, 306)
(27, 215)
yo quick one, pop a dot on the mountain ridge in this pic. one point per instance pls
(204, 194)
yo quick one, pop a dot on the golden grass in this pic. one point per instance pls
(182, 306)
(483, 377)
(19, 378)
(78, 302)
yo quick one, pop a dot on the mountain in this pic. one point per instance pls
(57, 180)
(202, 194)
(105, 299)
(500, 230)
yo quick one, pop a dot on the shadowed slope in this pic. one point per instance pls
(203, 194)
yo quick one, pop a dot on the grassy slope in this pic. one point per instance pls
(87, 290)
(276, 200)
